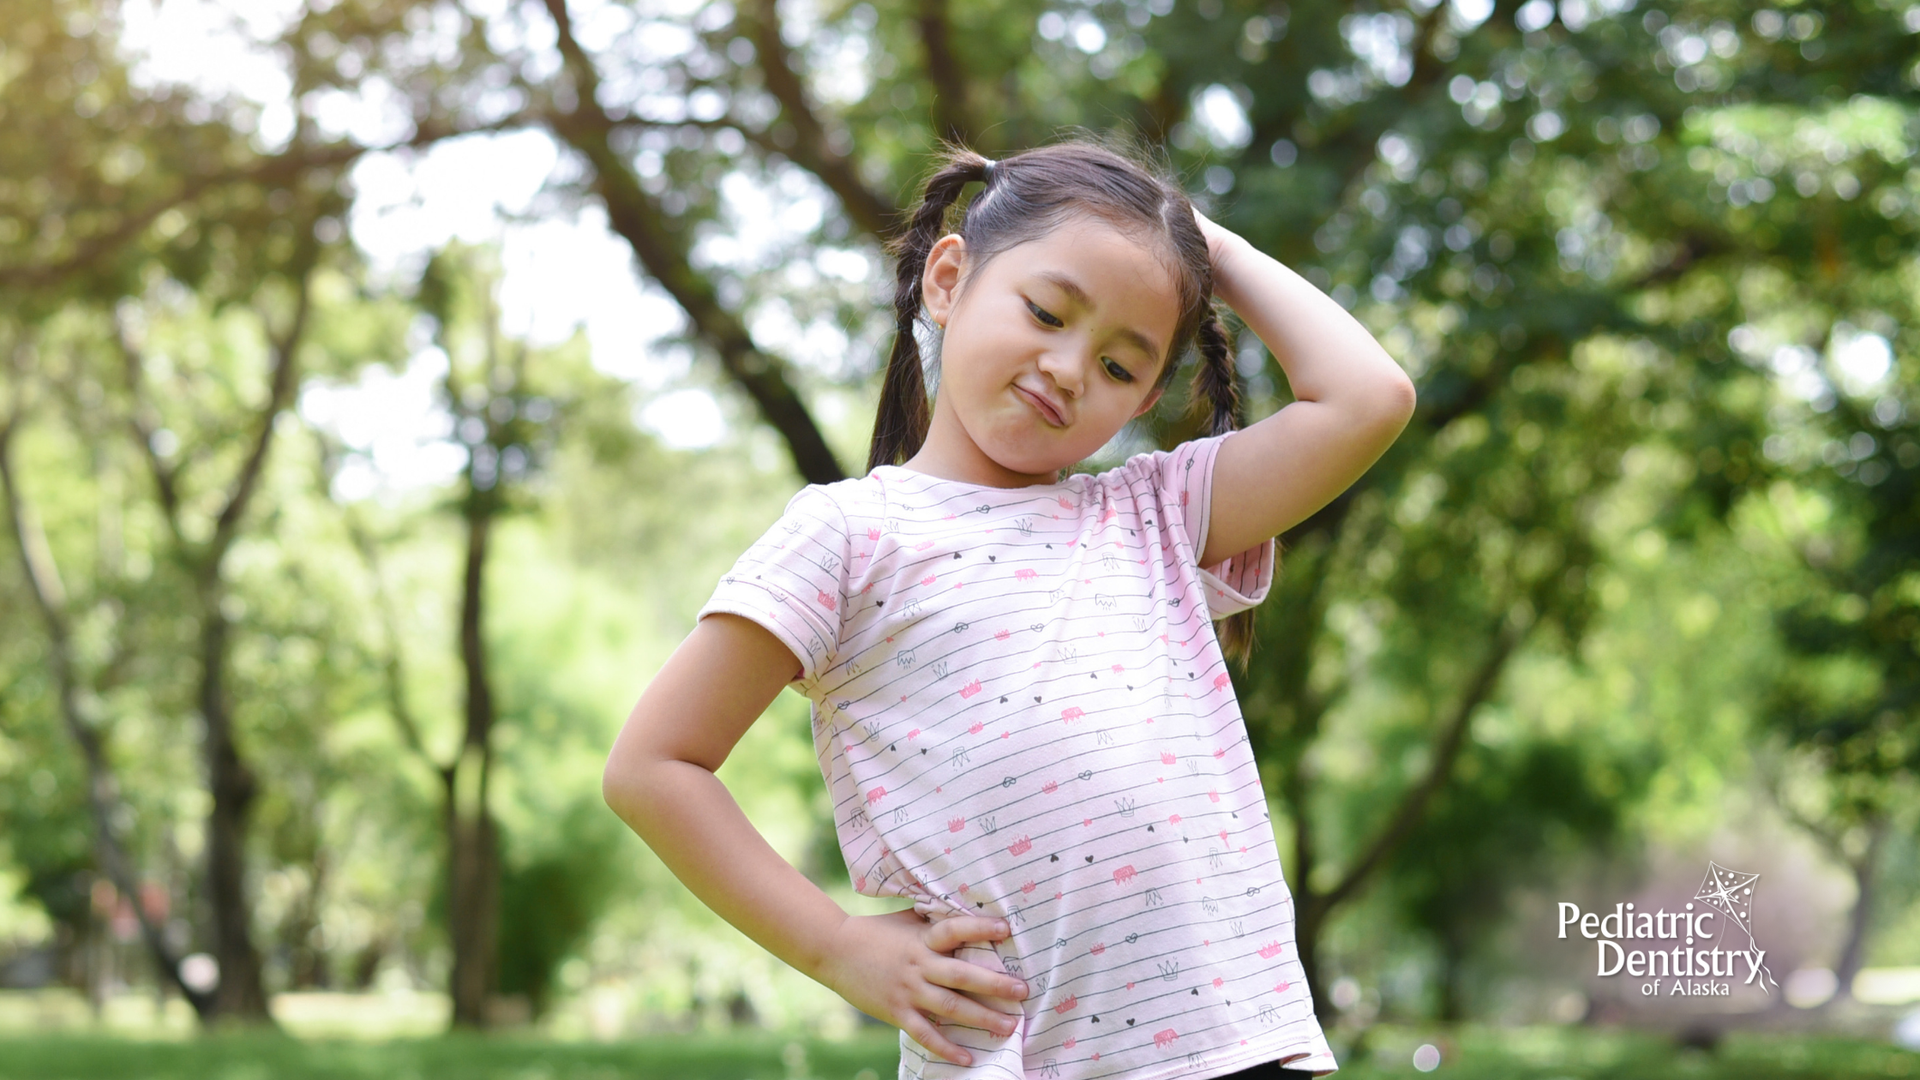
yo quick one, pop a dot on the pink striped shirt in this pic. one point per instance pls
(1021, 710)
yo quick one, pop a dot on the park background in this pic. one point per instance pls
(384, 385)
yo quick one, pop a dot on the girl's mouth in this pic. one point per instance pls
(1040, 406)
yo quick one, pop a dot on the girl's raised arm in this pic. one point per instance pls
(1351, 401)
(660, 780)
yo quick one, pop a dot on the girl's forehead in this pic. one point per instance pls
(1096, 256)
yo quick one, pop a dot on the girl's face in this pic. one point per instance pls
(1048, 351)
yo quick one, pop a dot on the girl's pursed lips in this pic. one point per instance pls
(1041, 405)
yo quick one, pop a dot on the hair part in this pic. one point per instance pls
(1031, 193)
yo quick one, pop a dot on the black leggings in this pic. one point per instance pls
(1269, 1071)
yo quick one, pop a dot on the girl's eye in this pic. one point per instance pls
(1047, 319)
(1042, 315)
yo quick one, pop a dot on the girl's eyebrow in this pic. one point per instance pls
(1079, 296)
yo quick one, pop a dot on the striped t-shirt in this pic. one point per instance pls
(1021, 710)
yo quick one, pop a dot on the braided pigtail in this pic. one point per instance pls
(900, 427)
(1216, 383)
(1215, 380)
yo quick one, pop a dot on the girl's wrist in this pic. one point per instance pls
(1231, 255)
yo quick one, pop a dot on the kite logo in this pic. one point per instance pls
(1731, 892)
(1690, 940)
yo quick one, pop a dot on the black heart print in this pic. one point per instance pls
(993, 558)
(1129, 1021)
(1055, 858)
(1089, 858)
(956, 554)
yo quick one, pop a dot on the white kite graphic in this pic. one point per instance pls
(1731, 892)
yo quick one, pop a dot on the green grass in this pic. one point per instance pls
(753, 1056)
(1469, 1053)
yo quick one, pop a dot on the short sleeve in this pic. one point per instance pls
(793, 580)
(1185, 475)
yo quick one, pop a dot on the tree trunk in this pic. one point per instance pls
(103, 790)
(240, 996)
(473, 878)
(1853, 952)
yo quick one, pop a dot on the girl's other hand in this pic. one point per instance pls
(900, 969)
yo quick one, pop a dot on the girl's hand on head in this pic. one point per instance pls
(1219, 242)
(900, 969)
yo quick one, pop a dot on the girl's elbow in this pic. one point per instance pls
(1405, 398)
(617, 787)
(1397, 400)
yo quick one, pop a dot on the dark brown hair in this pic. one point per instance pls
(1026, 196)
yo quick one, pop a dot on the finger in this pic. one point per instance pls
(993, 986)
(949, 934)
(958, 1008)
(928, 1036)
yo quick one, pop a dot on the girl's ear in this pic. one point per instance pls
(946, 264)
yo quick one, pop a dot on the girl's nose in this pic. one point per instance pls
(1068, 367)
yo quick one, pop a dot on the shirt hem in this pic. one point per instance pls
(1312, 1050)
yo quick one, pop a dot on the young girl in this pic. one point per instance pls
(1020, 703)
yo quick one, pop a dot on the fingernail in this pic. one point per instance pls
(1004, 928)
(1020, 988)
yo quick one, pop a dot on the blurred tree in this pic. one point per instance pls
(505, 404)
(1512, 816)
(1848, 703)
